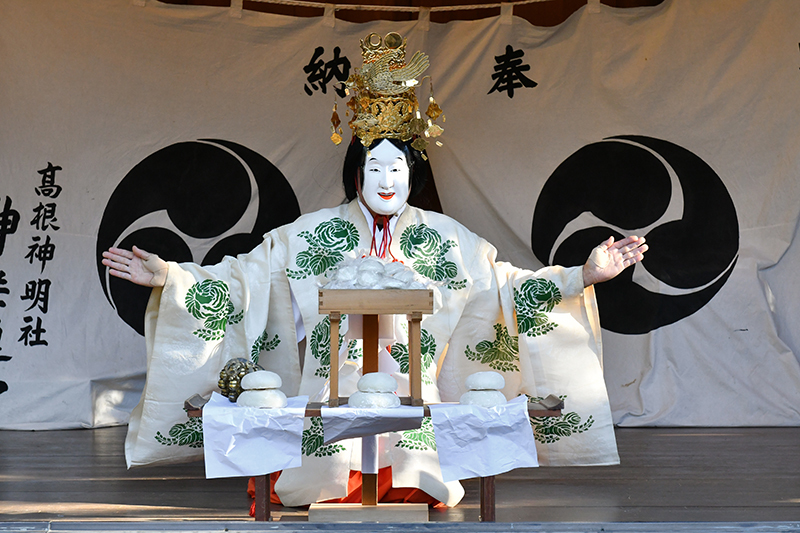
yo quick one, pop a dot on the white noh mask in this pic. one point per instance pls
(386, 179)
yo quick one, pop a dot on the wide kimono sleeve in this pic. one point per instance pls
(199, 320)
(541, 331)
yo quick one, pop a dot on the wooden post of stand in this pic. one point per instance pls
(369, 470)
(369, 489)
(333, 399)
(370, 345)
(415, 357)
(369, 364)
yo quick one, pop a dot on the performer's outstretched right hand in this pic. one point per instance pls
(137, 266)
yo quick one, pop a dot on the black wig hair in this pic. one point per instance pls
(419, 168)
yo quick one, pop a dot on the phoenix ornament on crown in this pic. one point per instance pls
(384, 103)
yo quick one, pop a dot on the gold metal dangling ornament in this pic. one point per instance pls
(419, 144)
(336, 136)
(417, 125)
(433, 130)
(433, 111)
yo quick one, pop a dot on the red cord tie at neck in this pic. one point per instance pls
(386, 238)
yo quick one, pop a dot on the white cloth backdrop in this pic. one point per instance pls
(95, 86)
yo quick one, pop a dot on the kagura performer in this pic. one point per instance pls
(540, 329)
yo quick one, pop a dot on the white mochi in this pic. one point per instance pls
(373, 400)
(405, 276)
(267, 398)
(391, 283)
(371, 264)
(261, 379)
(392, 269)
(485, 381)
(346, 273)
(368, 278)
(377, 382)
(483, 398)
(370, 272)
(380, 284)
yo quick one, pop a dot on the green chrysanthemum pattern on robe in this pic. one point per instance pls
(419, 439)
(501, 355)
(326, 247)
(320, 345)
(550, 429)
(533, 300)
(354, 351)
(399, 353)
(263, 344)
(312, 440)
(210, 301)
(190, 434)
(424, 245)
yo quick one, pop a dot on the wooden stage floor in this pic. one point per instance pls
(729, 475)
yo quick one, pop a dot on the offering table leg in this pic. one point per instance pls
(263, 484)
(487, 499)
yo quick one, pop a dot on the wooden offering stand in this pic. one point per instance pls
(371, 304)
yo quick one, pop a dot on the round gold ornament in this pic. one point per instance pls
(230, 377)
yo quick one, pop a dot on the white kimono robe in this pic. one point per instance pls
(540, 330)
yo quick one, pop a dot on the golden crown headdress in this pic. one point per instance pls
(384, 103)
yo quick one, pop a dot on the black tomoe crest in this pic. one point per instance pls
(645, 186)
(191, 201)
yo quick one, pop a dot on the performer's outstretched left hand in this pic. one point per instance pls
(610, 258)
